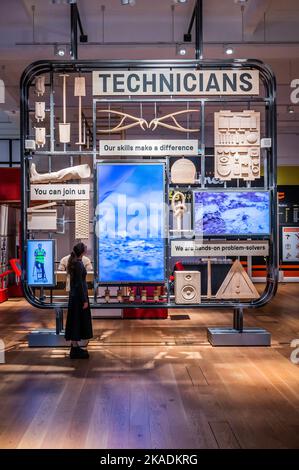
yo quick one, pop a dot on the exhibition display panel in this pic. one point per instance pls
(128, 251)
(143, 176)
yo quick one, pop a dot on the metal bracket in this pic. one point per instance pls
(238, 335)
(48, 338)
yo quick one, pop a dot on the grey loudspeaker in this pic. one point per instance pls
(187, 287)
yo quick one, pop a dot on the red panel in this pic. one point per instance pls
(15, 290)
(259, 273)
(145, 313)
(291, 273)
(10, 184)
(3, 295)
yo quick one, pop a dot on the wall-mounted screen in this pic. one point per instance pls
(130, 222)
(226, 213)
(40, 262)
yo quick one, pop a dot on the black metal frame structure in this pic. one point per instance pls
(269, 100)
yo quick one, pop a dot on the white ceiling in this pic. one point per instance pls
(154, 31)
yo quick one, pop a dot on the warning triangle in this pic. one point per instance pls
(237, 284)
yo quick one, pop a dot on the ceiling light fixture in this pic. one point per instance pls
(60, 50)
(291, 110)
(181, 49)
(180, 1)
(128, 2)
(228, 50)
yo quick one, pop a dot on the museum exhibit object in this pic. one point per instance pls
(187, 287)
(150, 203)
(40, 85)
(41, 217)
(81, 220)
(183, 171)
(237, 285)
(65, 174)
(237, 145)
(40, 136)
(80, 91)
(40, 108)
(64, 127)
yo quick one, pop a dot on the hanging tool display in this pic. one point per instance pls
(40, 85)
(40, 136)
(64, 127)
(80, 90)
(40, 108)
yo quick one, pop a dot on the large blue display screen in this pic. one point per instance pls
(130, 222)
(241, 213)
(40, 262)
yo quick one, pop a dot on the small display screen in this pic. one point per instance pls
(225, 213)
(40, 262)
(130, 222)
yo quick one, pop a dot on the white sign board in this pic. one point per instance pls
(56, 192)
(2, 352)
(153, 148)
(290, 244)
(2, 91)
(186, 248)
(175, 82)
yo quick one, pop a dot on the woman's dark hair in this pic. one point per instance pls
(77, 251)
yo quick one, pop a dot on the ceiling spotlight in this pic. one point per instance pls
(228, 50)
(180, 1)
(128, 2)
(291, 110)
(57, 2)
(60, 51)
(181, 49)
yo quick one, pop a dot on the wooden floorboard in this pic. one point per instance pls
(152, 384)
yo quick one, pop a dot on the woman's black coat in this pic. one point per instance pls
(78, 323)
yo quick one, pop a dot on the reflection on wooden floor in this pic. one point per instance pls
(152, 384)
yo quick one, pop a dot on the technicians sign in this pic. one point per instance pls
(175, 82)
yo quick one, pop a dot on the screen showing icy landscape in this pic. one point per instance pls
(130, 222)
(231, 213)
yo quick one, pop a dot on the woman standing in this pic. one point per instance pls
(78, 323)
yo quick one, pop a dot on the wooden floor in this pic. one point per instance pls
(152, 384)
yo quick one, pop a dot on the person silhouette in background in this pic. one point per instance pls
(78, 322)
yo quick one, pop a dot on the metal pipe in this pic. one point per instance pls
(198, 30)
(79, 21)
(74, 32)
(192, 21)
(162, 43)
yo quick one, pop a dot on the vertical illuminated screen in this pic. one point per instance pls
(40, 262)
(130, 222)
